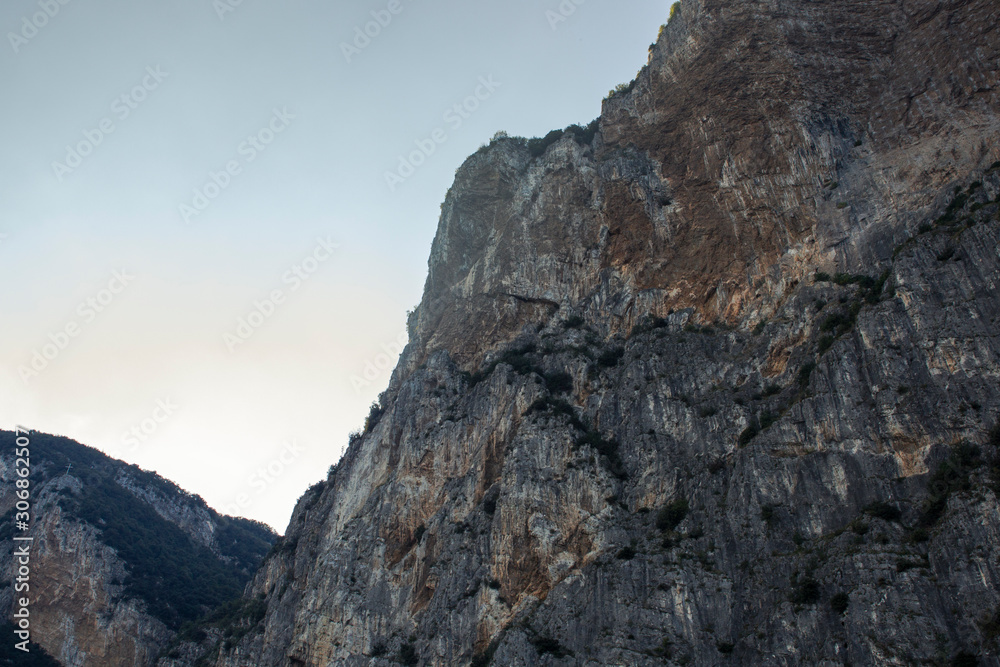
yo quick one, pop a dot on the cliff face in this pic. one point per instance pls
(762, 140)
(102, 532)
(712, 388)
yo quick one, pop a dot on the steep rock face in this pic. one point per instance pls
(84, 608)
(80, 617)
(635, 426)
(762, 139)
(196, 520)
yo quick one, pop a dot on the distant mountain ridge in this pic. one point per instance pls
(122, 557)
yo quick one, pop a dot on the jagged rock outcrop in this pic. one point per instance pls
(102, 529)
(763, 139)
(713, 387)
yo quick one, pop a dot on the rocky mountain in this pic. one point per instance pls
(710, 381)
(121, 559)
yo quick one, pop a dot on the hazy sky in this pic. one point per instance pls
(170, 168)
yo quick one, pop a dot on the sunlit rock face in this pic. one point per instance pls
(711, 387)
(77, 612)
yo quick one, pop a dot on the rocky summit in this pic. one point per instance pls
(713, 380)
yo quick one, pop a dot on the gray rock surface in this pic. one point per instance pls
(634, 426)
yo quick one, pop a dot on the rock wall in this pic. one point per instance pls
(762, 140)
(79, 614)
(713, 388)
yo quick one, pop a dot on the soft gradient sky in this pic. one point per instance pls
(150, 350)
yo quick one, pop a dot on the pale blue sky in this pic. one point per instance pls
(196, 88)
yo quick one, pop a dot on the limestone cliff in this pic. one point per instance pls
(711, 386)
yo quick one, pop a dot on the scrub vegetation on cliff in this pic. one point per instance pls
(180, 559)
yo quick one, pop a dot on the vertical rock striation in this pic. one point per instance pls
(713, 387)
